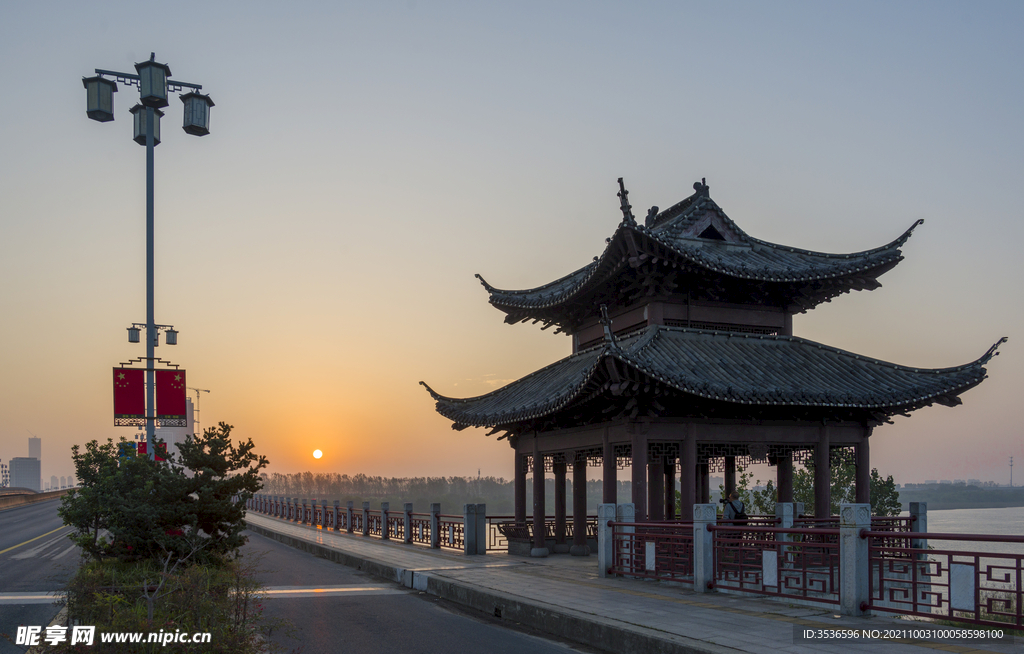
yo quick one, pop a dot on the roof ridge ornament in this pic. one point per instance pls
(992, 351)
(702, 188)
(609, 335)
(652, 216)
(627, 215)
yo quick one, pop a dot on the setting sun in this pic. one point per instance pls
(317, 454)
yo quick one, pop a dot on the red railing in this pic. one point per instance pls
(421, 528)
(794, 563)
(654, 550)
(450, 528)
(373, 523)
(982, 588)
(496, 540)
(396, 526)
(506, 527)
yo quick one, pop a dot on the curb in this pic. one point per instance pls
(564, 623)
(60, 618)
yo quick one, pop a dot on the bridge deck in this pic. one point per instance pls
(563, 595)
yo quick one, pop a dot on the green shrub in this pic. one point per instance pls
(223, 599)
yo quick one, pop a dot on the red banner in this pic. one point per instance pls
(170, 396)
(161, 448)
(129, 396)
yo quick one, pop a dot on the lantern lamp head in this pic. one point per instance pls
(197, 113)
(99, 94)
(139, 113)
(133, 334)
(171, 336)
(153, 82)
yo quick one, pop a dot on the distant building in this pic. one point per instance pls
(25, 473)
(5, 478)
(974, 482)
(54, 483)
(174, 435)
(63, 482)
(930, 481)
(35, 448)
(945, 481)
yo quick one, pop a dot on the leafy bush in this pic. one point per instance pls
(129, 507)
(145, 597)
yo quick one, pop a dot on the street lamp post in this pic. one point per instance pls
(154, 83)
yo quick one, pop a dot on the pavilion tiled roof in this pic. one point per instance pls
(725, 367)
(740, 256)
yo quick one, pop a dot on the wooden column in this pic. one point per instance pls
(822, 475)
(730, 475)
(559, 470)
(688, 473)
(520, 489)
(863, 472)
(784, 477)
(656, 490)
(639, 446)
(609, 484)
(579, 507)
(539, 528)
(670, 489)
(705, 483)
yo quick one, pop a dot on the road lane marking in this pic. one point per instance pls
(67, 551)
(40, 548)
(279, 592)
(26, 598)
(14, 547)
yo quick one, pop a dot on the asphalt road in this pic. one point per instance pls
(356, 613)
(36, 558)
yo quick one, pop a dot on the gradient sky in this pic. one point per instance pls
(316, 251)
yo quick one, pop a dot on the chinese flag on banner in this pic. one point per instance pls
(161, 448)
(170, 394)
(129, 394)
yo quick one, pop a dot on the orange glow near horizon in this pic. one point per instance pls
(318, 269)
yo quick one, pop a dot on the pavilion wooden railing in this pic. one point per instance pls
(523, 531)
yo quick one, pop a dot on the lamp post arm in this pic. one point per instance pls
(119, 76)
(173, 85)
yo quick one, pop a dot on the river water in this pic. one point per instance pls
(1007, 522)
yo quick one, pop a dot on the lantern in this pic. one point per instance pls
(197, 113)
(171, 336)
(133, 334)
(99, 93)
(140, 112)
(153, 82)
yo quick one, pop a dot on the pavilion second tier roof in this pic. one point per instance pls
(802, 278)
(666, 368)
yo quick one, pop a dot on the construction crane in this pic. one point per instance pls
(195, 413)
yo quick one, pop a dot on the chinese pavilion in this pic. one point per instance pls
(684, 359)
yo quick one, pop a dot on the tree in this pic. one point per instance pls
(885, 499)
(193, 505)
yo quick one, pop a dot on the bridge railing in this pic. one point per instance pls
(790, 563)
(853, 561)
(978, 587)
(472, 533)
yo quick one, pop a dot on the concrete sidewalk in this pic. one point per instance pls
(563, 596)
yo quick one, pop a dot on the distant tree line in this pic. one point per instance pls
(452, 492)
